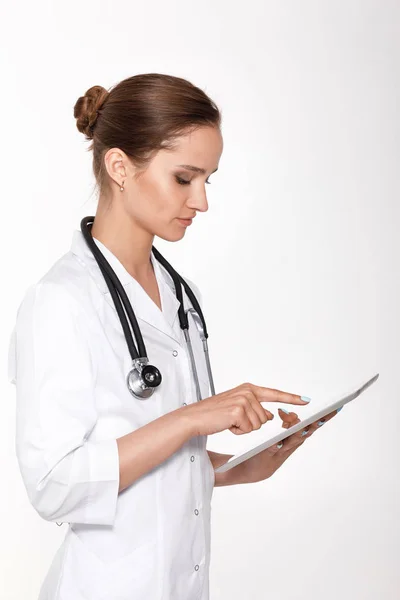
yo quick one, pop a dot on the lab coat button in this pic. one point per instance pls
(184, 404)
(192, 458)
(196, 568)
(175, 353)
(196, 512)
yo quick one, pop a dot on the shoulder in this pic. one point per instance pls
(63, 286)
(50, 312)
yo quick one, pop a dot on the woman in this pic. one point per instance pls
(131, 477)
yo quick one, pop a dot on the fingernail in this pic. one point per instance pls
(339, 409)
(285, 411)
(303, 433)
(279, 445)
(306, 399)
(321, 422)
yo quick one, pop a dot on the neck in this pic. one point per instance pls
(130, 243)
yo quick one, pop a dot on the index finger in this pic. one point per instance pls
(265, 394)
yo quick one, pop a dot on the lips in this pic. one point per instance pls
(185, 222)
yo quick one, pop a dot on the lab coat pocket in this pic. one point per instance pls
(130, 576)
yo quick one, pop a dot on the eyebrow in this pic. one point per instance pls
(195, 169)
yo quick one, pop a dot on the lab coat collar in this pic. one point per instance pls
(143, 306)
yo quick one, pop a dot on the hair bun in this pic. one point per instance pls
(87, 108)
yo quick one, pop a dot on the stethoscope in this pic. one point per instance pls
(143, 378)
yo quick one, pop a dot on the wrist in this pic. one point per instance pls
(234, 476)
(188, 421)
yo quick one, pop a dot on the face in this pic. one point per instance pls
(157, 198)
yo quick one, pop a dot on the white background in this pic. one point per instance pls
(297, 259)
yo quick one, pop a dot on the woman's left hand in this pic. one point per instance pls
(265, 463)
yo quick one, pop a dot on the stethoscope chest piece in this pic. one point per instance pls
(143, 378)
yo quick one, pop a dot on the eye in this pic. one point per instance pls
(184, 182)
(181, 181)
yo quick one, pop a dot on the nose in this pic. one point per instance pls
(199, 201)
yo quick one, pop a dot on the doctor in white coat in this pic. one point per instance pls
(131, 479)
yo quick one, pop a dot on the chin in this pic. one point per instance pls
(171, 236)
(172, 233)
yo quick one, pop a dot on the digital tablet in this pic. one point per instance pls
(239, 458)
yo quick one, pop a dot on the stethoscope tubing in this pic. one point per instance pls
(115, 287)
(118, 294)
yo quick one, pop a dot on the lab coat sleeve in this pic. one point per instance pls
(68, 476)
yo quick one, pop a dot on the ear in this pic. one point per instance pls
(116, 163)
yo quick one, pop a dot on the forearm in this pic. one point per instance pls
(233, 476)
(145, 448)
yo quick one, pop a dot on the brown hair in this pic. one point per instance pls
(141, 115)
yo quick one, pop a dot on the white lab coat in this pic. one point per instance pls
(68, 359)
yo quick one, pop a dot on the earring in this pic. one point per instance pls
(122, 187)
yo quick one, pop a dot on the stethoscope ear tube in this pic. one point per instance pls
(203, 329)
(183, 320)
(114, 286)
(198, 317)
(178, 280)
(193, 363)
(199, 325)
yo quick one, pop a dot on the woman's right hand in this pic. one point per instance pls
(238, 409)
